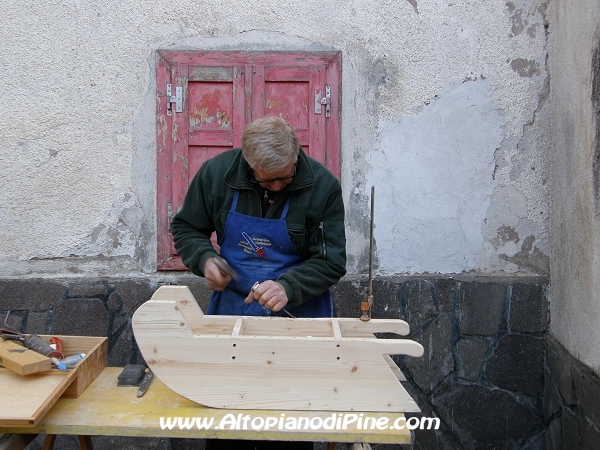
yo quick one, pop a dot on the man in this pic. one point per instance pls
(279, 218)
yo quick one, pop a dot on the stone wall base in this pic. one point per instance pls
(482, 373)
(571, 401)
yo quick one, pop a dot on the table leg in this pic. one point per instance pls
(49, 442)
(85, 442)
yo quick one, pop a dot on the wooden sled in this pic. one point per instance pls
(243, 362)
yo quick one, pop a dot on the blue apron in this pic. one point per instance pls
(260, 249)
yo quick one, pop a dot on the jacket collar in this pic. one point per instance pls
(237, 174)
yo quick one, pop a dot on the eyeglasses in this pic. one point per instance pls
(274, 180)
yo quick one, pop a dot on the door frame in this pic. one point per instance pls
(172, 67)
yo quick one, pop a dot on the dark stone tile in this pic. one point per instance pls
(471, 356)
(385, 301)
(480, 307)
(385, 447)
(121, 351)
(518, 364)
(187, 444)
(587, 391)
(577, 431)
(537, 442)
(114, 301)
(445, 291)
(552, 399)
(482, 418)
(13, 319)
(80, 317)
(348, 295)
(29, 294)
(431, 439)
(88, 288)
(131, 443)
(118, 321)
(558, 362)
(528, 309)
(36, 322)
(439, 439)
(437, 361)
(590, 436)
(554, 434)
(417, 300)
(572, 425)
(132, 293)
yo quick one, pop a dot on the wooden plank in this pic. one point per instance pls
(199, 73)
(238, 328)
(224, 58)
(25, 400)
(21, 360)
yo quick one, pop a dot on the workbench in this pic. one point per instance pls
(108, 410)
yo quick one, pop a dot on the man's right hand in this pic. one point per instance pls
(215, 279)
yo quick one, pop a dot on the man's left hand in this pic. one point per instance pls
(270, 294)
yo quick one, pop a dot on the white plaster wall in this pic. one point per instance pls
(575, 264)
(443, 110)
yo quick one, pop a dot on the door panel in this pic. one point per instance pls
(224, 91)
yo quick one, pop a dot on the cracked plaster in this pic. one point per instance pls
(80, 142)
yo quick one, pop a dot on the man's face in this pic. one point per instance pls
(275, 181)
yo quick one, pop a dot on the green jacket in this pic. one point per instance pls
(315, 219)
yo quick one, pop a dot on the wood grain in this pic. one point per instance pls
(21, 360)
(272, 362)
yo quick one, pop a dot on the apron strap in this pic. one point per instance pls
(286, 207)
(236, 196)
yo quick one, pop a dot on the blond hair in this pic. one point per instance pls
(270, 144)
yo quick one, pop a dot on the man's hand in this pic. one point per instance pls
(270, 294)
(215, 279)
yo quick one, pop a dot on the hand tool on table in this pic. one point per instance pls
(131, 375)
(35, 343)
(5, 328)
(255, 285)
(134, 375)
(367, 303)
(145, 383)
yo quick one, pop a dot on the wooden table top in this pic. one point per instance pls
(107, 409)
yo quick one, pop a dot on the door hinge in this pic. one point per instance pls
(320, 100)
(177, 99)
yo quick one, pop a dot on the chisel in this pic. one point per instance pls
(283, 309)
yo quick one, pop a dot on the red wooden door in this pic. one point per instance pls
(205, 99)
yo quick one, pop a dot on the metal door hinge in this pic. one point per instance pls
(320, 100)
(177, 99)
